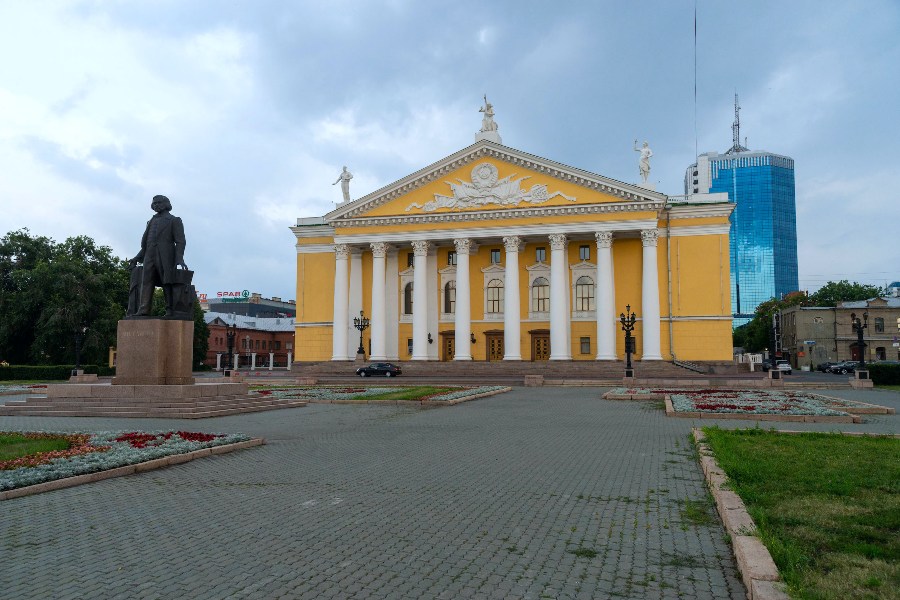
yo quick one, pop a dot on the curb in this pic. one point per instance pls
(149, 465)
(758, 570)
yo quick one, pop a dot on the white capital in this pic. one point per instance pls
(649, 236)
(604, 239)
(463, 245)
(420, 247)
(342, 251)
(558, 241)
(379, 249)
(513, 243)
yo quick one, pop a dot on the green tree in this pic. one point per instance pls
(757, 334)
(48, 291)
(843, 291)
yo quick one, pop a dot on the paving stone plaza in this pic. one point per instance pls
(536, 493)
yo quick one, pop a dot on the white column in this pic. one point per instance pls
(289, 360)
(606, 298)
(650, 297)
(420, 300)
(271, 360)
(379, 318)
(463, 317)
(252, 361)
(341, 302)
(512, 343)
(560, 349)
(431, 267)
(356, 302)
(237, 357)
(218, 362)
(392, 305)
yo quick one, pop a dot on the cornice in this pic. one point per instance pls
(308, 231)
(510, 213)
(486, 149)
(701, 211)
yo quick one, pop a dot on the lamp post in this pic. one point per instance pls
(628, 319)
(858, 327)
(361, 323)
(230, 332)
(79, 340)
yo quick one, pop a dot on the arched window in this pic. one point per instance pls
(495, 296)
(408, 299)
(584, 293)
(450, 297)
(540, 295)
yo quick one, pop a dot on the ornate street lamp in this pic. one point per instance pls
(230, 332)
(79, 340)
(361, 323)
(858, 327)
(628, 319)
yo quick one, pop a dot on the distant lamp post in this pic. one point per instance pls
(361, 323)
(230, 333)
(628, 319)
(79, 341)
(858, 326)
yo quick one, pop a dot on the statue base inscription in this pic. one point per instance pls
(154, 352)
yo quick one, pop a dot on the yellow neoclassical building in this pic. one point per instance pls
(495, 254)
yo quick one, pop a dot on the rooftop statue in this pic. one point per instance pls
(487, 123)
(644, 164)
(344, 179)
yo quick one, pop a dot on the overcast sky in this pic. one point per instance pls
(244, 112)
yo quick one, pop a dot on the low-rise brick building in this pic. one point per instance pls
(259, 341)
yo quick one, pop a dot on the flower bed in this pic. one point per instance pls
(756, 402)
(17, 389)
(100, 451)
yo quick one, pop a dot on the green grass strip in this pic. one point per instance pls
(827, 507)
(15, 446)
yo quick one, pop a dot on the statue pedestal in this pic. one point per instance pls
(647, 186)
(154, 352)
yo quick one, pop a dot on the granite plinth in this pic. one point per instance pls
(154, 352)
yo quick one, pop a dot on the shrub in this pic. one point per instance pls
(884, 374)
(49, 372)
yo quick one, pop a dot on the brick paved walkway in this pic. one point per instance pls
(488, 499)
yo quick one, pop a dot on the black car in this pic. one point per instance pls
(385, 369)
(824, 367)
(847, 366)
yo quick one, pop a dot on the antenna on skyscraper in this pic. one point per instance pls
(736, 129)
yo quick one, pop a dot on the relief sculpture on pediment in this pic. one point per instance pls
(486, 188)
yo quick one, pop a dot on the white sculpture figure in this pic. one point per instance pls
(644, 164)
(344, 178)
(487, 123)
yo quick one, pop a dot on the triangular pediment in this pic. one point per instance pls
(490, 177)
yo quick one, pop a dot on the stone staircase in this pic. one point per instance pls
(177, 402)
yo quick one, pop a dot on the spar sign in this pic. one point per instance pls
(233, 296)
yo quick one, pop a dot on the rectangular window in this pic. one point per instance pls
(495, 257)
(540, 254)
(277, 345)
(410, 259)
(409, 346)
(585, 345)
(451, 257)
(584, 252)
(879, 325)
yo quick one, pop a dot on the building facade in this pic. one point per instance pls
(834, 339)
(249, 305)
(258, 342)
(463, 260)
(763, 236)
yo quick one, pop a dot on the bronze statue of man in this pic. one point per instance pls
(162, 252)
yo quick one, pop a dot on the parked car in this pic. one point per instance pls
(783, 366)
(766, 365)
(844, 367)
(385, 369)
(823, 367)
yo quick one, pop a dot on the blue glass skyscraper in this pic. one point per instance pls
(763, 236)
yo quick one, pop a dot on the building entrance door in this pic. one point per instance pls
(494, 343)
(540, 344)
(448, 346)
(855, 353)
